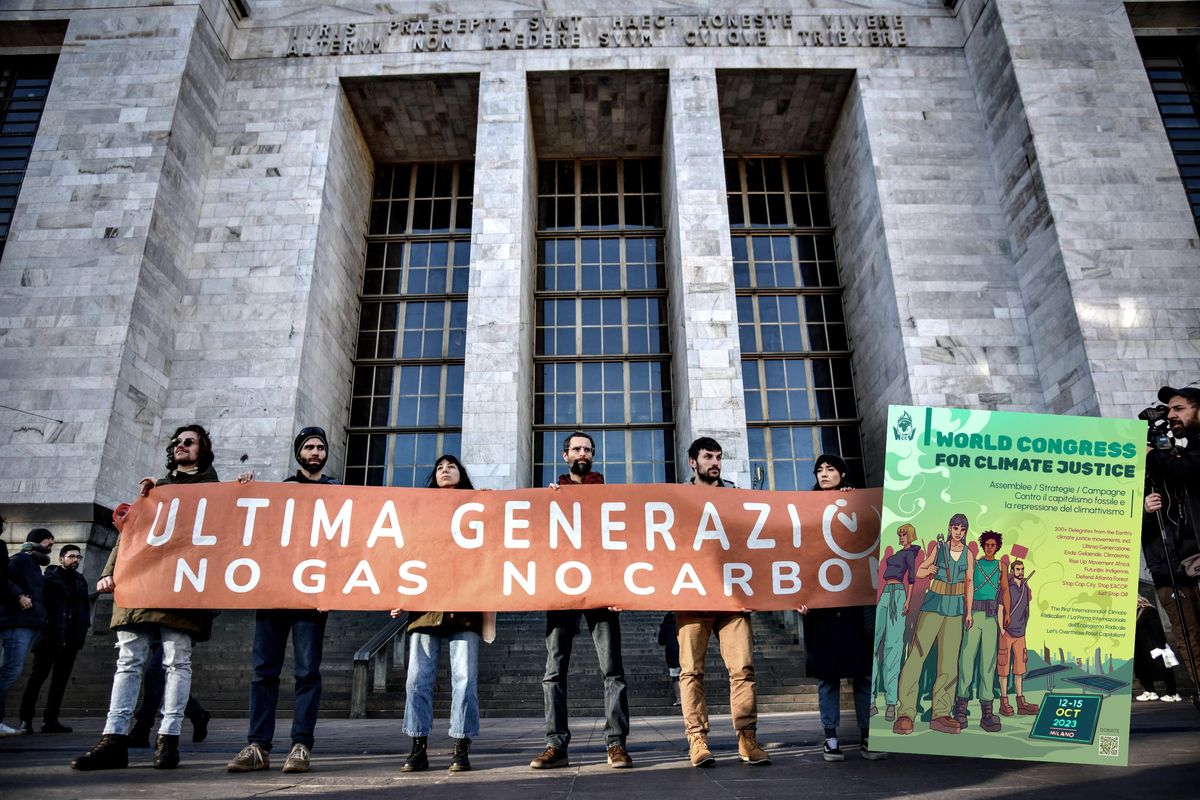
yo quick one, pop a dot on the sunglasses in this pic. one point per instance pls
(188, 442)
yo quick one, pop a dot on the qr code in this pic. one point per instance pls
(1110, 745)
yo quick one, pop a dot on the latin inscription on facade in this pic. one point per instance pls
(434, 34)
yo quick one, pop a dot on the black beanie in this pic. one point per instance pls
(38, 535)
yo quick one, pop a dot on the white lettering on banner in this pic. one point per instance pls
(387, 525)
(199, 538)
(184, 570)
(511, 523)
(715, 533)
(785, 572)
(572, 528)
(585, 577)
(289, 512)
(252, 505)
(418, 581)
(475, 525)
(823, 575)
(688, 579)
(663, 528)
(608, 525)
(738, 574)
(318, 580)
(363, 577)
(527, 580)
(630, 584)
(321, 521)
(231, 575)
(155, 540)
(754, 543)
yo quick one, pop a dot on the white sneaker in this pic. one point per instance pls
(1144, 696)
(1171, 698)
(7, 731)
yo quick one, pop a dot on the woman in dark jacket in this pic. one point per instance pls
(838, 642)
(461, 632)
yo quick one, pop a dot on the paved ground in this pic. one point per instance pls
(360, 759)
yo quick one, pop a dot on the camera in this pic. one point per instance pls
(1158, 431)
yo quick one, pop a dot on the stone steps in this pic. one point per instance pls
(510, 670)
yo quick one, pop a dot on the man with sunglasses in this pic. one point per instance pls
(271, 629)
(189, 460)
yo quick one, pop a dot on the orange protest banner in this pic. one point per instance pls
(638, 547)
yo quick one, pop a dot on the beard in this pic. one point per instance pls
(710, 476)
(314, 465)
(581, 466)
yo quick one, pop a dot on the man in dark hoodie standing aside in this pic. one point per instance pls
(22, 611)
(271, 629)
(579, 450)
(68, 617)
(189, 460)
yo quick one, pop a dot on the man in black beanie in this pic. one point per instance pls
(271, 629)
(22, 611)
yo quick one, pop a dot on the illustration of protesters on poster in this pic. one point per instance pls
(1007, 583)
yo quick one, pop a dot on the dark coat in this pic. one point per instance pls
(196, 622)
(838, 642)
(1176, 474)
(24, 577)
(68, 613)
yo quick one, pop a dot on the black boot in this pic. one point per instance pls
(111, 752)
(418, 759)
(166, 752)
(459, 761)
(200, 726)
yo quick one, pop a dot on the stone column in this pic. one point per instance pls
(1097, 159)
(707, 357)
(498, 375)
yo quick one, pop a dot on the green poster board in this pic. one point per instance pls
(1067, 718)
(1007, 581)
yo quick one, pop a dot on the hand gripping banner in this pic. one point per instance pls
(637, 547)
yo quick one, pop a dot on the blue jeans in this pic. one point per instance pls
(831, 709)
(605, 627)
(16, 643)
(271, 629)
(134, 648)
(423, 652)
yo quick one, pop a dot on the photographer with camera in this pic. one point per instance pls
(1171, 527)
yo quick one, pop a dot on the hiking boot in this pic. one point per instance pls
(54, 726)
(418, 759)
(111, 752)
(698, 751)
(749, 749)
(832, 751)
(297, 760)
(252, 758)
(960, 711)
(890, 713)
(987, 720)
(903, 725)
(166, 751)
(550, 758)
(1023, 708)
(1005, 709)
(944, 725)
(25, 727)
(618, 756)
(871, 755)
(200, 726)
(459, 762)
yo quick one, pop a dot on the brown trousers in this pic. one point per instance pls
(737, 651)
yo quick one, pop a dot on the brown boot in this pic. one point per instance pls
(903, 725)
(698, 750)
(749, 749)
(944, 725)
(987, 720)
(1005, 709)
(1025, 709)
